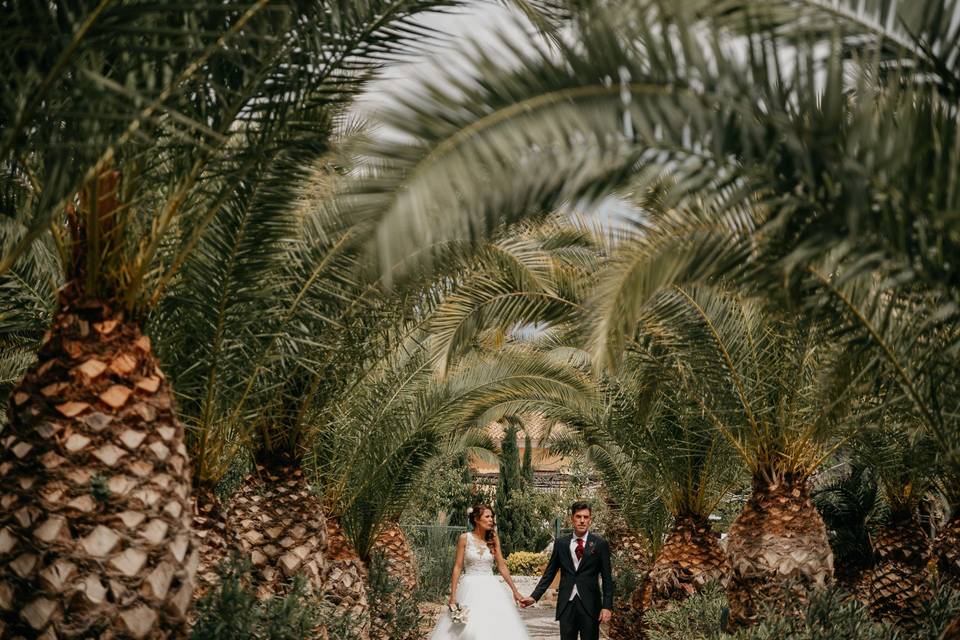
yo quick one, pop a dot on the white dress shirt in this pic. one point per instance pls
(573, 555)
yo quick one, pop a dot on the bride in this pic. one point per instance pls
(489, 612)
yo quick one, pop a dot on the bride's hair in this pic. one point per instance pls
(476, 512)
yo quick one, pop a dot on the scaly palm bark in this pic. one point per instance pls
(631, 549)
(95, 520)
(214, 538)
(344, 581)
(778, 551)
(279, 525)
(897, 587)
(690, 558)
(393, 546)
(946, 549)
(624, 540)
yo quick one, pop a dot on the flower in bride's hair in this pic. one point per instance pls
(469, 511)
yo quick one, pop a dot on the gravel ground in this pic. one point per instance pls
(539, 617)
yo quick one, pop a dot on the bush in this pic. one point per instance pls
(526, 563)
(696, 618)
(394, 610)
(627, 575)
(232, 611)
(832, 614)
(436, 550)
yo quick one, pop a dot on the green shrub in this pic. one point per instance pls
(526, 563)
(232, 611)
(394, 610)
(831, 615)
(696, 618)
(436, 550)
(338, 624)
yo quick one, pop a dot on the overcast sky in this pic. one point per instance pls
(482, 22)
(486, 23)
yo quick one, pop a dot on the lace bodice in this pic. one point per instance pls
(477, 559)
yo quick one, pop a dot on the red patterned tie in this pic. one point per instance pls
(579, 550)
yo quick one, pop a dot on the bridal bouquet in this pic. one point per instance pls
(458, 613)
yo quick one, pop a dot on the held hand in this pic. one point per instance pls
(605, 615)
(526, 602)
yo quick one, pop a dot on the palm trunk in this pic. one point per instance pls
(344, 581)
(897, 587)
(401, 567)
(690, 558)
(393, 546)
(630, 549)
(95, 522)
(946, 549)
(215, 540)
(279, 526)
(624, 542)
(778, 551)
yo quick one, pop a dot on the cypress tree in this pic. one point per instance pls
(528, 460)
(515, 521)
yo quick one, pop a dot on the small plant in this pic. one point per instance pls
(395, 612)
(99, 489)
(526, 563)
(627, 575)
(696, 618)
(336, 624)
(435, 549)
(831, 614)
(233, 612)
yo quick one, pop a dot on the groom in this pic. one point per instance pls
(582, 560)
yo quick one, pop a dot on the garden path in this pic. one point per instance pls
(540, 622)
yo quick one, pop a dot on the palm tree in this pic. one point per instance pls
(767, 157)
(126, 156)
(650, 418)
(896, 588)
(770, 386)
(846, 503)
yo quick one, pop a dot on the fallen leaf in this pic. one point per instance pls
(71, 409)
(116, 396)
(20, 397)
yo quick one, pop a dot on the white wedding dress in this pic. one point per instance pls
(491, 611)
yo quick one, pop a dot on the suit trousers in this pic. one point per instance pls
(576, 622)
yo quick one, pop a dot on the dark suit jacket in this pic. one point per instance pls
(594, 565)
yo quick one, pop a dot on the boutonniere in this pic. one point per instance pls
(590, 546)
